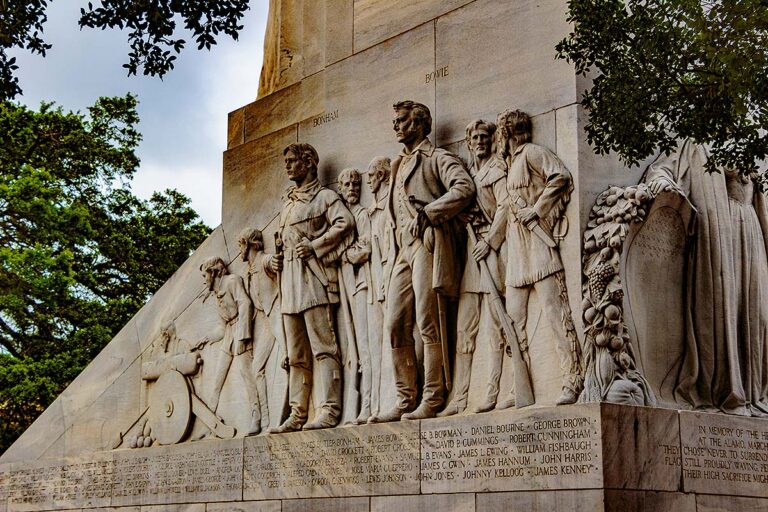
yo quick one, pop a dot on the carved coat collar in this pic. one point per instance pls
(425, 146)
(306, 192)
(409, 161)
(379, 203)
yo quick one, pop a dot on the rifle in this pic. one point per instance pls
(279, 251)
(350, 395)
(523, 390)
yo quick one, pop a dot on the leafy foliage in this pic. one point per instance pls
(79, 253)
(153, 30)
(664, 70)
(21, 26)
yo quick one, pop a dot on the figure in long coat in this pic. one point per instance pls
(725, 365)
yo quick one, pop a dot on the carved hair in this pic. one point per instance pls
(478, 124)
(306, 153)
(350, 174)
(210, 263)
(251, 237)
(380, 164)
(419, 112)
(514, 125)
(211, 268)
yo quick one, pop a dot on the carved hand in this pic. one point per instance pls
(413, 227)
(304, 249)
(659, 185)
(481, 250)
(276, 263)
(419, 224)
(527, 216)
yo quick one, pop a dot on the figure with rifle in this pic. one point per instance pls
(262, 285)
(429, 187)
(483, 278)
(315, 229)
(539, 188)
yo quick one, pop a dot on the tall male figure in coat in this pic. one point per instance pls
(429, 187)
(315, 228)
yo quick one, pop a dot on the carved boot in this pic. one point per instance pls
(573, 383)
(404, 361)
(254, 427)
(327, 416)
(508, 402)
(494, 376)
(299, 386)
(365, 395)
(219, 376)
(261, 390)
(433, 397)
(461, 386)
(568, 396)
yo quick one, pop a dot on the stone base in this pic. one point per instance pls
(591, 457)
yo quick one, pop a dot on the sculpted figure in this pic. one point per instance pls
(428, 189)
(380, 264)
(356, 277)
(235, 311)
(488, 220)
(539, 188)
(315, 229)
(262, 287)
(724, 364)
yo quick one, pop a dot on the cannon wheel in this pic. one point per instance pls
(170, 408)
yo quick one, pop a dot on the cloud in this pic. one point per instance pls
(183, 116)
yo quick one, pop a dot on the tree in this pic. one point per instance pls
(79, 253)
(665, 70)
(152, 29)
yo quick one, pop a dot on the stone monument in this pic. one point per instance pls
(499, 319)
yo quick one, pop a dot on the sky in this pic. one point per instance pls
(183, 116)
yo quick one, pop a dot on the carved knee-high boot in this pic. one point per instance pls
(299, 387)
(219, 376)
(365, 394)
(460, 384)
(404, 361)
(329, 412)
(433, 397)
(494, 376)
(254, 427)
(261, 392)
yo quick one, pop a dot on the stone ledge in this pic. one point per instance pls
(505, 455)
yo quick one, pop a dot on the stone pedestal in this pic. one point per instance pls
(581, 457)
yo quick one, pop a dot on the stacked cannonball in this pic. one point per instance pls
(144, 439)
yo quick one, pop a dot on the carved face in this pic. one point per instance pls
(296, 169)
(349, 186)
(407, 129)
(213, 275)
(480, 142)
(244, 246)
(374, 178)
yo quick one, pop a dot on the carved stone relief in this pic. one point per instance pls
(654, 264)
(676, 273)
(315, 230)
(611, 365)
(361, 303)
(723, 366)
(429, 187)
